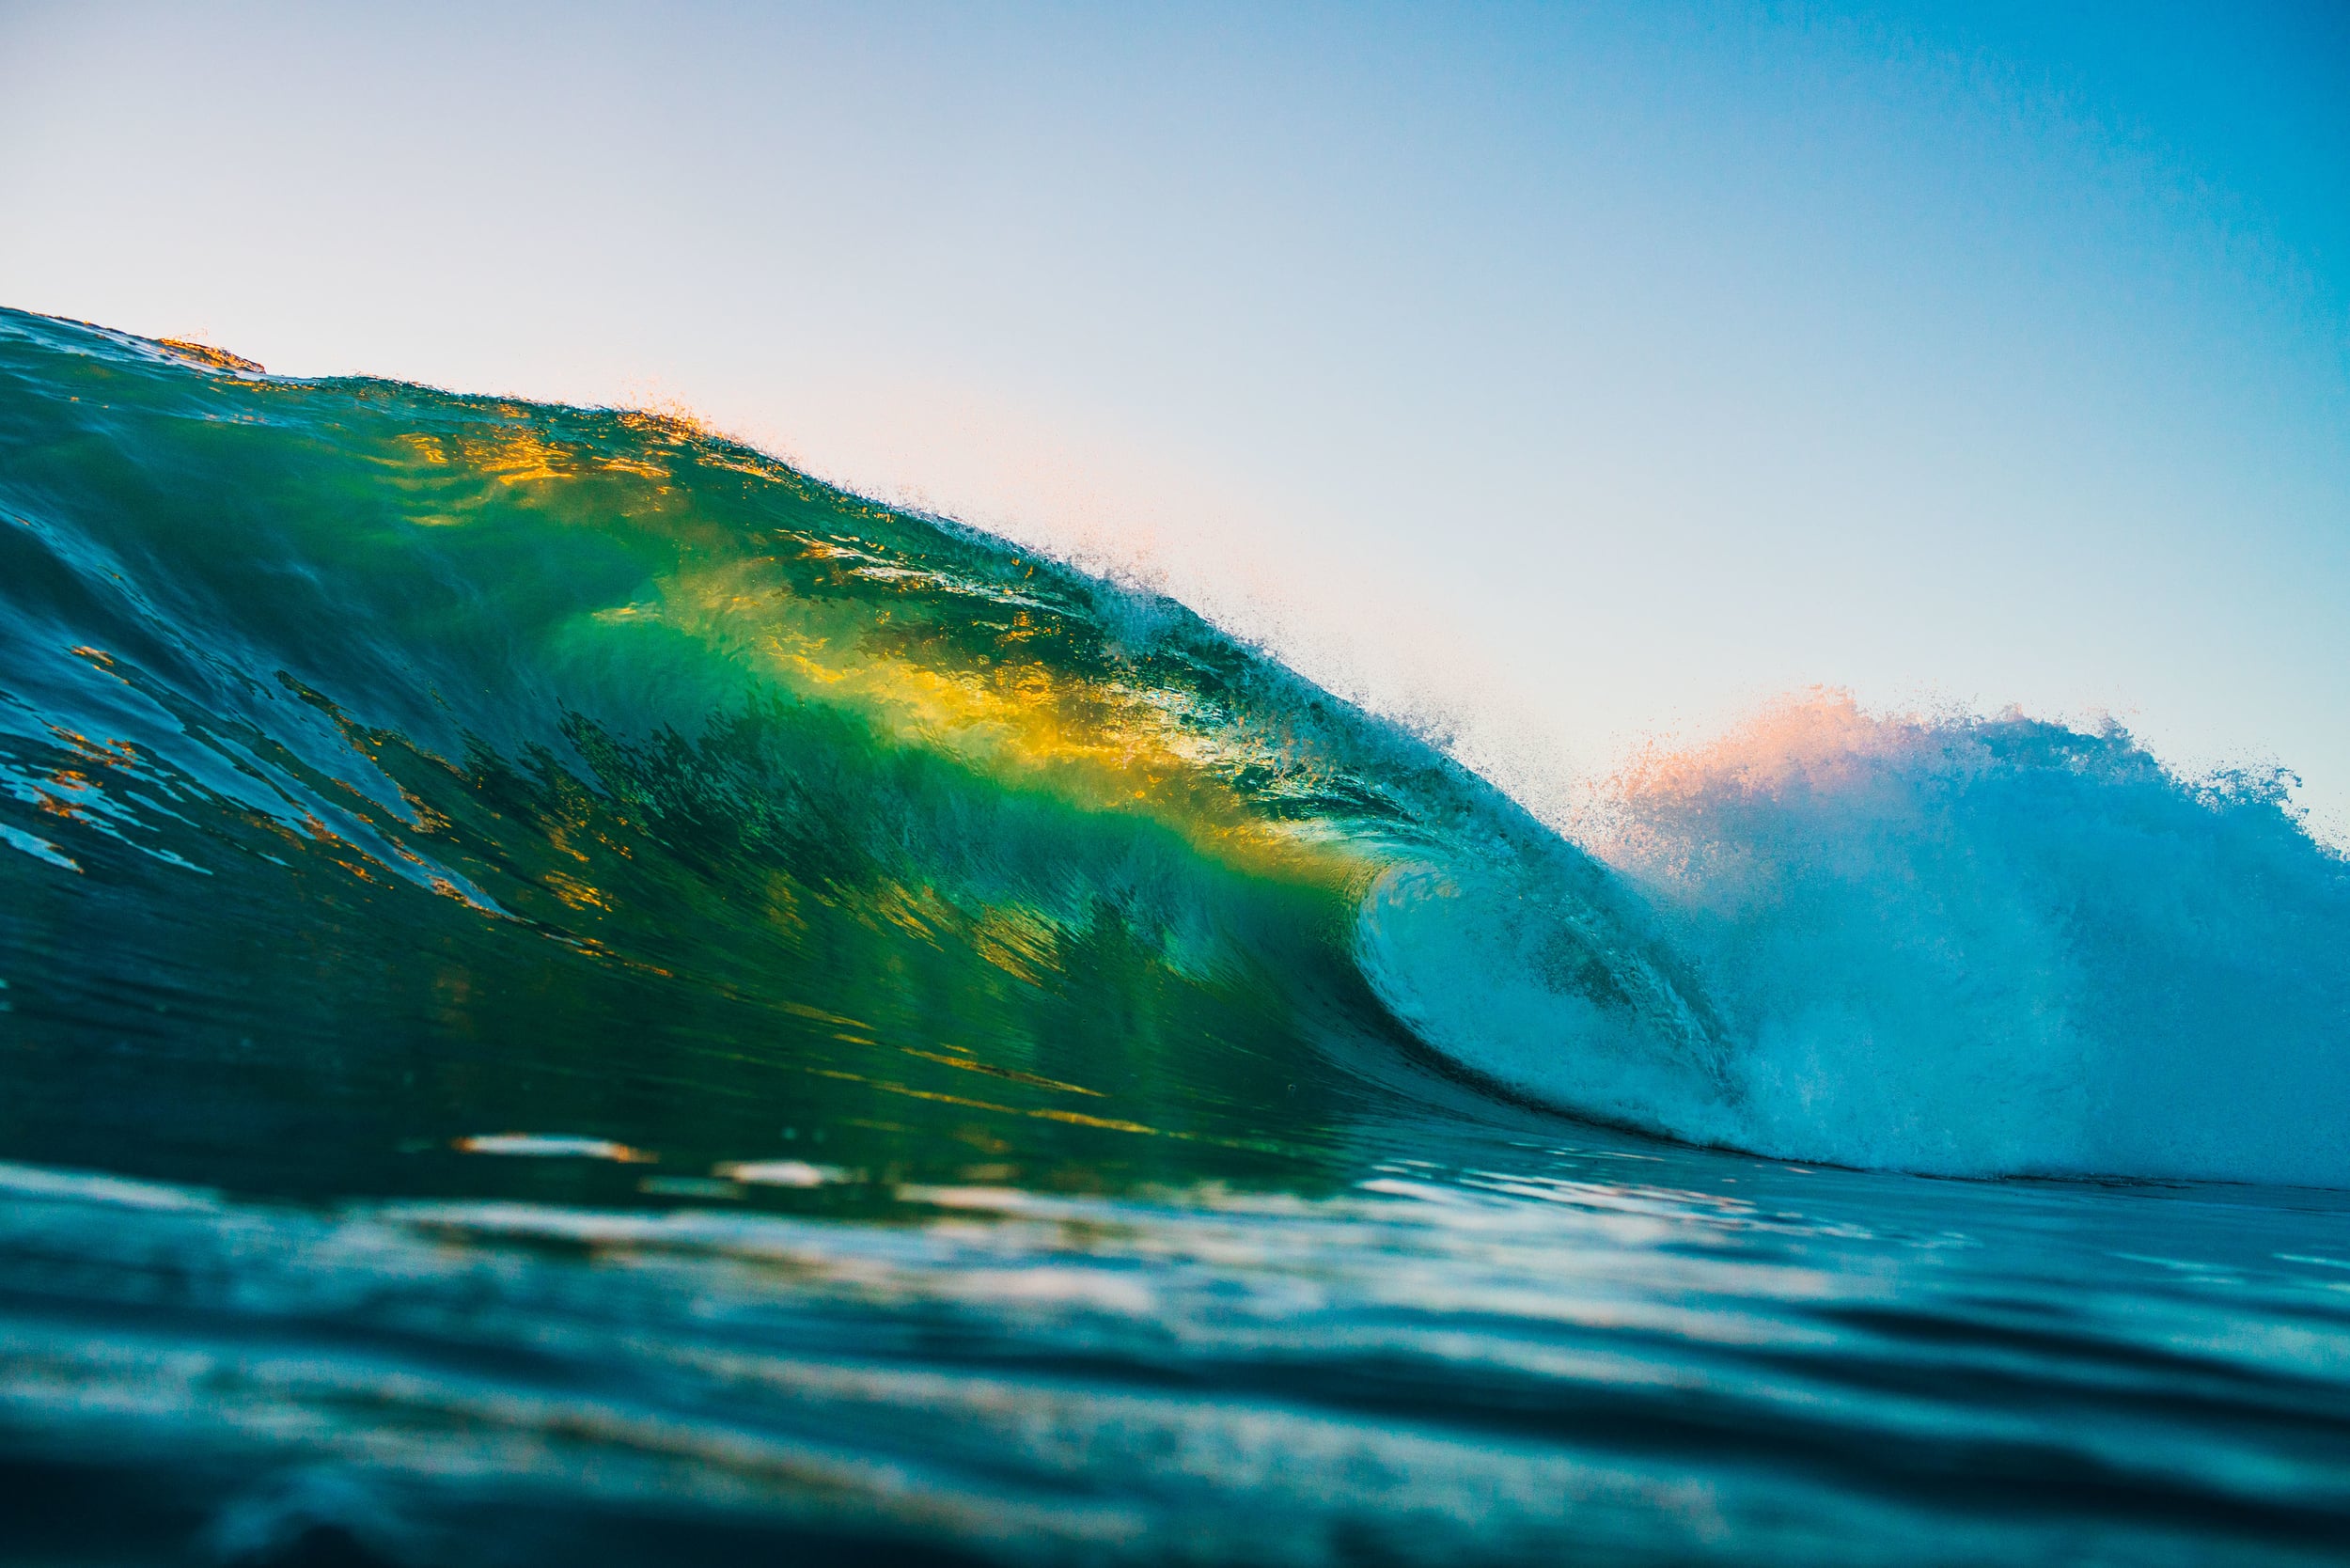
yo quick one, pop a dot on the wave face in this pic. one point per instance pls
(388, 771)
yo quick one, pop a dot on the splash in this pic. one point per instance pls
(1989, 945)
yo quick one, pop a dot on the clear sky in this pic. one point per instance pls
(1567, 374)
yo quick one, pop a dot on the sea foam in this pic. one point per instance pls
(1947, 943)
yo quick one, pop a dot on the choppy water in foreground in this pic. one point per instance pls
(574, 995)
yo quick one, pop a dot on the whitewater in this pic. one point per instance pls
(1955, 944)
(567, 988)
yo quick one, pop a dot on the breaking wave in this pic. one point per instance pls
(386, 768)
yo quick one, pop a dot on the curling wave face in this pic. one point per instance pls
(390, 770)
(387, 771)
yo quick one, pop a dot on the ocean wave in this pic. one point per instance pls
(431, 768)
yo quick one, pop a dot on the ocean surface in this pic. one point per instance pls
(568, 992)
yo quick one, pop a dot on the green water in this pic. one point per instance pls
(434, 767)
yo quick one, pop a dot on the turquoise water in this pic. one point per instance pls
(572, 993)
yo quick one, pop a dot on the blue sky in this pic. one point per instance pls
(1566, 374)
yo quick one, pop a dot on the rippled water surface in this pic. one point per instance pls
(1515, 1349)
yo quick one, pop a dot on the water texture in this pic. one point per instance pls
(567, 991)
